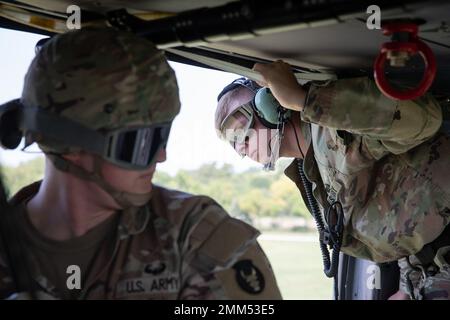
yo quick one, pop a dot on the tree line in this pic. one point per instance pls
(248, 195)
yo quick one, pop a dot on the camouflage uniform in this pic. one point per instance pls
(179, 246)
(167, 244)
(385, 161)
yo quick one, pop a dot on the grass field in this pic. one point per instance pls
(297, 263)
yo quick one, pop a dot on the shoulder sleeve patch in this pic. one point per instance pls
(249, 277)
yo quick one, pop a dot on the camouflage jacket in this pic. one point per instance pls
(383, 160)
(179, 246)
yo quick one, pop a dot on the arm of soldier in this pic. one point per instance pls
(221, 258)
(249, 278)
(356, 105)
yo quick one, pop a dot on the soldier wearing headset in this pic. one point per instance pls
(96, 227)
(372, 171)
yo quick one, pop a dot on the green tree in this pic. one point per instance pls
(17, 177)
(249, 194)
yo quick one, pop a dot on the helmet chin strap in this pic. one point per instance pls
(125, 199)
(274, 153)
(275, 149)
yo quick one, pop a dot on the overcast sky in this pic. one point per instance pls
(193, 140)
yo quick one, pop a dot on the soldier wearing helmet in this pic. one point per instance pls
(373, 168)
(100, 104)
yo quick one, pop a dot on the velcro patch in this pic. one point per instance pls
(249, 277)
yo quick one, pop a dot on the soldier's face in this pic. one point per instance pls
(131, 180)
(256, 144)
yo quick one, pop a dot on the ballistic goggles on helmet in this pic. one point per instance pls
(236, 125)
(136, 148)
(133, 148)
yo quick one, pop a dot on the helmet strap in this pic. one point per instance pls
(124, 199)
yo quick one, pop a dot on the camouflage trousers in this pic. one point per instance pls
(432, 283)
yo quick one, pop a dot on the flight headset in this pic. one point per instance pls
(265, 105)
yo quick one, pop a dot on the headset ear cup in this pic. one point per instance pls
(269, 109)
(10, 133)
(267, 106)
